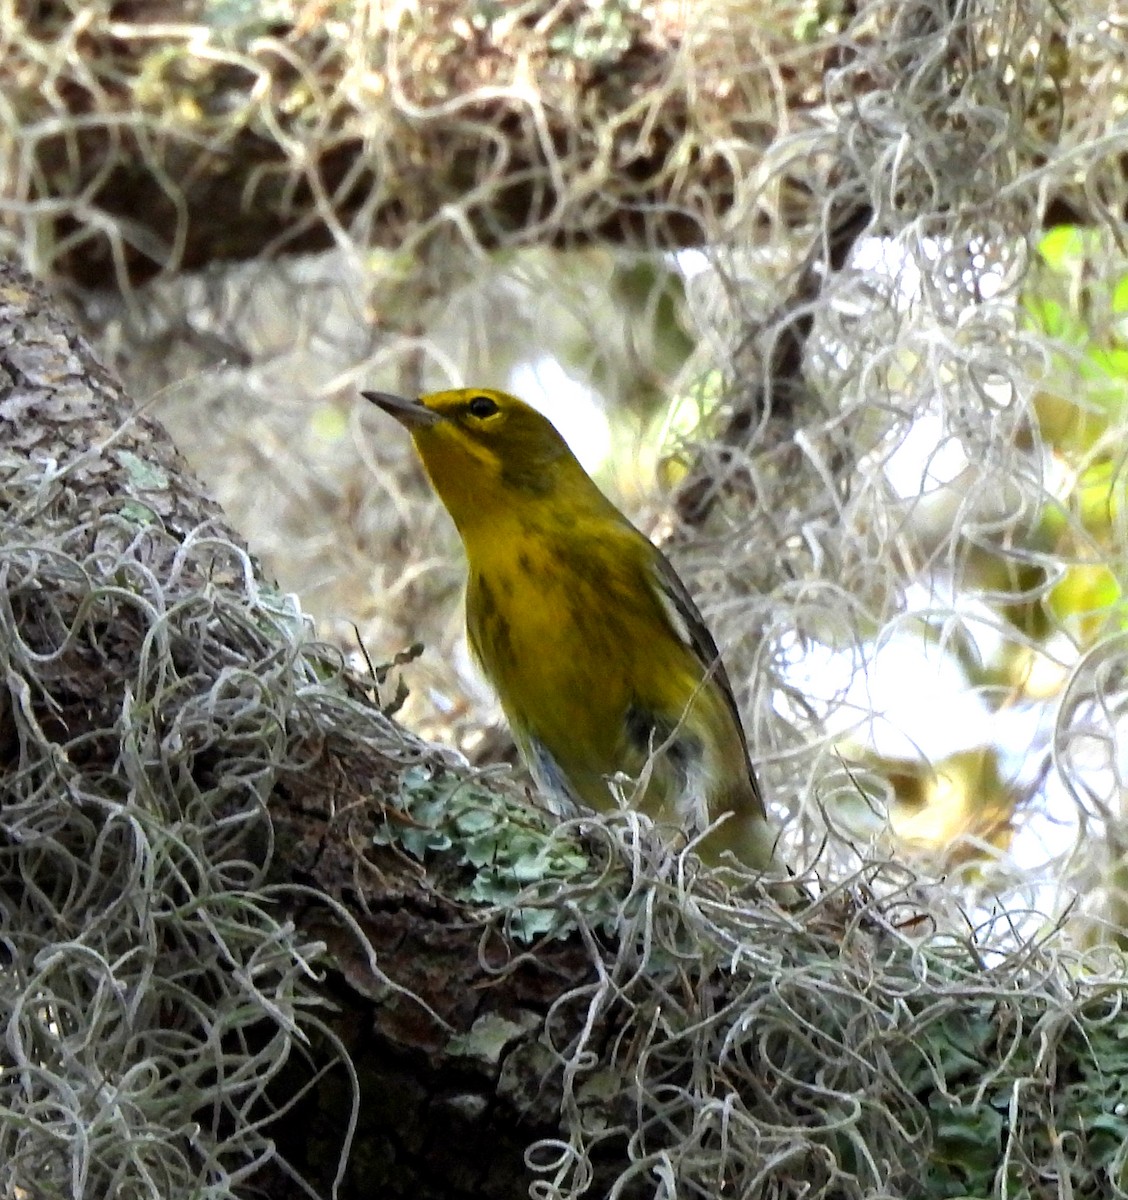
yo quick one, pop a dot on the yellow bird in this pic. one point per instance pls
(600, 657)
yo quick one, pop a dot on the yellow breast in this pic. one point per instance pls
(583, 660)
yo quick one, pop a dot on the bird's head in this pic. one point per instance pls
(484, 450)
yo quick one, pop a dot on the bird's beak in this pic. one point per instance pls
(409, 413)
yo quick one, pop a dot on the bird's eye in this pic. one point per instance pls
(481, 406)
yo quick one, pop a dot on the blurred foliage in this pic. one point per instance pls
(1064, 572)
(1078, 301)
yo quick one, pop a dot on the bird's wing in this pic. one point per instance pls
(688, 623)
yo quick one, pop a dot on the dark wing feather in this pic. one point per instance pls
(691, 628)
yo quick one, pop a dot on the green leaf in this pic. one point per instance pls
(1065, 247)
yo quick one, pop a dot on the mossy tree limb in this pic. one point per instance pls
(141, 139)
